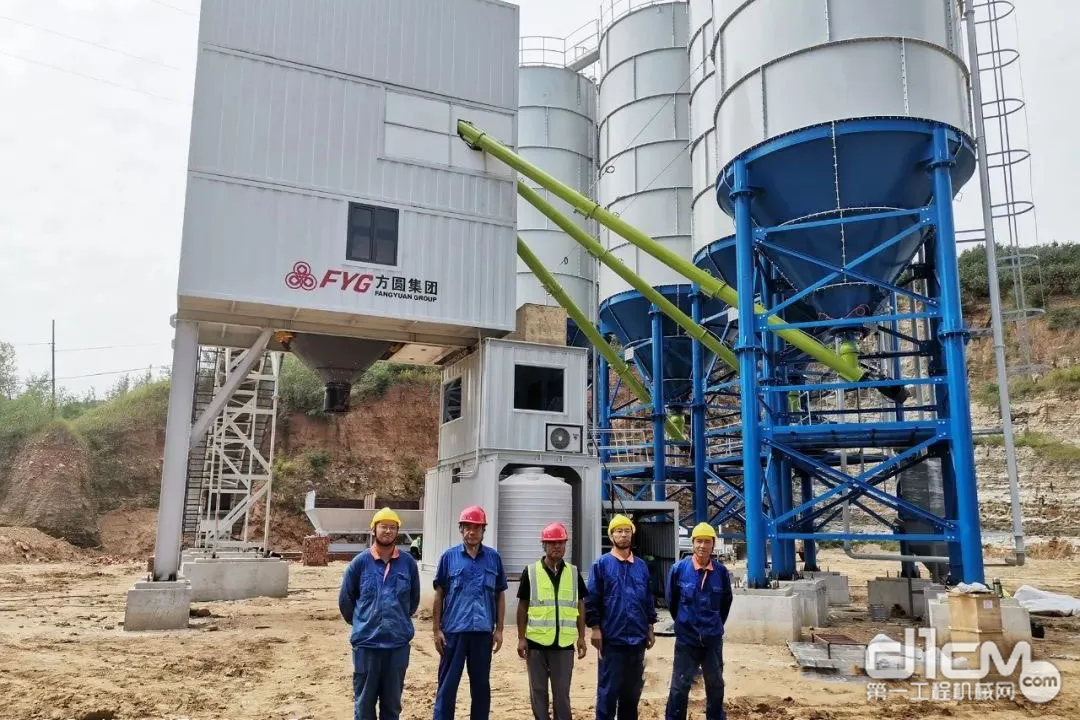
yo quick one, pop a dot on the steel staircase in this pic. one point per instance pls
(229, 470)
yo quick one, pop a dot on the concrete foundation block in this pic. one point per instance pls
(814, 599)
(905, 593)
(1015, 622)
(937, 611)
(236, 578)
(836, 585)
(158, 606)
(764, 617)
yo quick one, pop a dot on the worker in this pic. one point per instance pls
(620, 610)
(467, 616)
(380, 592)
(551, 624)
(699, 598)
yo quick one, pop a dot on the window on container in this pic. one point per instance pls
(451, 400)
(538, 388)
(372, 234)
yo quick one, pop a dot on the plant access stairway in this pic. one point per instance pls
(230, 468)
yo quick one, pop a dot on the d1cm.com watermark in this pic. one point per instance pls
(1039, 681)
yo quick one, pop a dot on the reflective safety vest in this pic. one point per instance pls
(548, 607)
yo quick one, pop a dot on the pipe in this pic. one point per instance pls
(710, 285)
(594, 248)
(884, 556)
(621, 368)
(995, 291)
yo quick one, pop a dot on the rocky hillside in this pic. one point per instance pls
(94, 480)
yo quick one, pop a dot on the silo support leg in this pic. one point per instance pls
(953, 335)
(747, 352)
(177, 447)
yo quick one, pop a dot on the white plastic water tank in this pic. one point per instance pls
(529, 499)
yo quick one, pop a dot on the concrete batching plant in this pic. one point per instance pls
(765, 248)
(332, 211)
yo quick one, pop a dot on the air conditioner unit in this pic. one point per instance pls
(563, 438)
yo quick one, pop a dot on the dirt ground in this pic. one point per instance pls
(63, 654)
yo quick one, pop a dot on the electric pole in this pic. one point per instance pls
(52, 348)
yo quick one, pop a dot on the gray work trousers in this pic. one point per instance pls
(556, 667)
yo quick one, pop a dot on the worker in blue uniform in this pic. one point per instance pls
(467, 616)
(621, 611)
(380, 592)
(699, 598)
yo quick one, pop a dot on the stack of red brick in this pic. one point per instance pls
(316, 550)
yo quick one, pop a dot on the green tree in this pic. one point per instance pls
(9, 374)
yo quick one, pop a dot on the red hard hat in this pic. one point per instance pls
(474, 515)
(554, 532)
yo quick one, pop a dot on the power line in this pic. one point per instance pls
(87, 349)
(173, 7)
(90, 42)
(110, 347)
(111, 372)
(86, 76)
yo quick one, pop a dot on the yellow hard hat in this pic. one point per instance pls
(385, 515)
(620, 521)
(703, 530)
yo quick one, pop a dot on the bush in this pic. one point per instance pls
(301, 389)
(318, 461)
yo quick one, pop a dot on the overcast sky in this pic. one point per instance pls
(95, 103)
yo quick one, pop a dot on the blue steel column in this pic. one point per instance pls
(659, 474)
(941, 408)
(746, 350)
(697, 416)
(809, 546)
(778, 471)
(600, 385)
(953, 336)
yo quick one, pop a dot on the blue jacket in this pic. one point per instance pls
(619, 600)
(379, 600)
(470, 588)
(699, 601)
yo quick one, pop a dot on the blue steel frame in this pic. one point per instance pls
(777, 452)
(711, 481)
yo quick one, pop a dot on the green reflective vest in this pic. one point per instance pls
(549, 608)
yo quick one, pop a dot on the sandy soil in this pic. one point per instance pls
(64, 655)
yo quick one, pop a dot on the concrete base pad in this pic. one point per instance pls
(907, 594)
(814, 599)
(836, 585)
(158, 606)
(236, 578)
(764, 617)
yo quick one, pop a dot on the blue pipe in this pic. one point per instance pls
(657, 318)
(953, 336)
(746, 350)
(697, 416)
(603, 425)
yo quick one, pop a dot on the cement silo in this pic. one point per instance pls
(645, 178)
(708, 221)
(557, 131)
(843, 134)
(644, 134)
